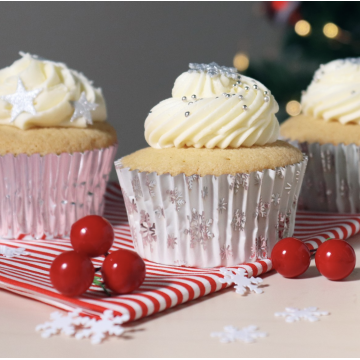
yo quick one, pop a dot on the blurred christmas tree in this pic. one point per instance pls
(316, 33)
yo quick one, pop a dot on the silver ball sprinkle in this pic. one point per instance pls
(247, 88)
(265, 92)
(255, 87)
(193, 96)
(240, 97)
(239, 76)
(245, 107)
(183, 98)
(266, 98)
(238, 82)
(187, 113)
(235, 85)
(227, 96)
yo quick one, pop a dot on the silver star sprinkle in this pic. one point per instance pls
(83, 108)
(21, 100)
(213, 69)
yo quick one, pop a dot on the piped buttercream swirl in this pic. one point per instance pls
(213, 106)
(57, 88)
(334, 93)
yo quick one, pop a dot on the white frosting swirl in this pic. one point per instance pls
(59, 87)
(334, 93)
(223, 113)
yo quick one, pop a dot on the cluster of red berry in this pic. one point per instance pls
(72, 272)
(335, 259)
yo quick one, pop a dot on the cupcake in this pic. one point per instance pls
(215, 187)
(328, 130)
(56, 150)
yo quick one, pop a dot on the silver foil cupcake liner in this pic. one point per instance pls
(332, 179)
(210, 221)
(42, 196)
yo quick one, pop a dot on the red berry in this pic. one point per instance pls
(335, 259)
(92, 235)
(290, 257)
(72, 273)
(123, 271)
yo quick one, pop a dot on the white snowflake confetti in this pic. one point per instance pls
(294, 314)
(176, 198)
(238, 220)
(241, 280)
(97, 330)
(247, 334)
(200, 229)
(83, 109)
(226, 252)
(61, 323)
(12, 252)
(275, 199)
(222, 205)
(21, 100)
(171, 241)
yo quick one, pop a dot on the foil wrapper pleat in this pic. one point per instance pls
(332, 179)
(210, 221)
(42, 196)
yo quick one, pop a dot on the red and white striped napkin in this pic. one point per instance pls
(164, 286)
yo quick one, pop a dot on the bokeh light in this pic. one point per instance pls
(293, 108)
(331, 30)
(302, 28)
(241, 61)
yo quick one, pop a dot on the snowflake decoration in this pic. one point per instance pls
(135, 182)
(60, 323)
(83, 109)
(275, 198)
(200, 229)
(327, 160)
(257, 179)
(159, 211)
(282, 225)
(171, 241)
(147, 230)
(150, 185)
(288, 187)
(260, 248)
(130, 205)
(204, 192)
(134, 236)
(180, 263)
(176, 198)
(213, 69)
(21, 100)
(222, 205)
(344, 188)
(97, 330)
(280, 172)
(241, 280)
(261, 208)
(237, 181)
(226, 252)
(247, 334)
(238, 220)
(294, 314)
(10, 252)
(295, 200)
(190, 180)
